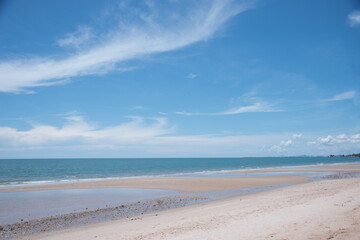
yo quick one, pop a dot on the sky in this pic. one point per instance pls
(208, 78)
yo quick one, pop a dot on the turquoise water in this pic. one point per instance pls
(18, 171)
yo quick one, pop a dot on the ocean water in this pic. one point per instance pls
(22, 171)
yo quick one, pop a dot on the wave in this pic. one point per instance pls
(157, 175)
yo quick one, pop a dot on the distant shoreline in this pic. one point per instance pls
(298, 156)
(58, 171)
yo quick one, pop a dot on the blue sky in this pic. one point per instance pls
(179, 78)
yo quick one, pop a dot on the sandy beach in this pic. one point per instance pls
(179, 120)
(188, 184)
(343, 168)
(195, 184)
(316, 210)
(337, 166)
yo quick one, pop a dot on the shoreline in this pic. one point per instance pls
(190, 191)
(180, 184)
(208, 190)
(314, 210)
(330, 167)
(333, 167)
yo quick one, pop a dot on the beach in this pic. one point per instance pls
(298, 202)
(315, 210)
(180, 120)
(188, 184)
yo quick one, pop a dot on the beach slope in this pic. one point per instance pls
(314, 210)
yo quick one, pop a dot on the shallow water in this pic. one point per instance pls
(18, 171)
(15, 206)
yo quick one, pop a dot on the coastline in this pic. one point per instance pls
(195, 191)
(72, 176)
(180, 184)
(314, 210)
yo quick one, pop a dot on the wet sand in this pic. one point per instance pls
(316, 210)
(73, 224)
(338, 166)
(344, 168)
(275, 170)
(180, 184)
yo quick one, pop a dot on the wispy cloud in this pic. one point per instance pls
(138, 107)
(192, 75)
(131, 40)
(255, 107)
(77, 39)
(342, 96)
(151, 137)
(354, 19)
(149, 134)
(77, 129)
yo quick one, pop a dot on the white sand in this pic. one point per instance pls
(316, 210)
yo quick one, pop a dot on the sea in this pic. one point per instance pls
(39, 171)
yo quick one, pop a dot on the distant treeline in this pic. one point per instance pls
(356, 155)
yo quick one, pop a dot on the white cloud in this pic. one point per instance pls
(255, 107)
(154, 135)
(76, 129)
(192, 75)
(77, 39)
(354, 19)
(343, 96)
(276, 148)
(336, 140)
(191, 114)
(297, 135)
(131, 40)
(137, 107)
(284, 144)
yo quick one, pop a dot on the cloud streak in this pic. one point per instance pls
(342, 96)
(77, 129)
(141, 137)
(130, 41)
(192, 75)
(77, 39)
(149, 134)
(255, 107)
